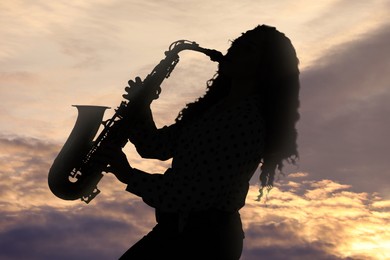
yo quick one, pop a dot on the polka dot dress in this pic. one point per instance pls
(214, 158)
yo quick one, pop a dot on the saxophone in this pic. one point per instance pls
(74, 173)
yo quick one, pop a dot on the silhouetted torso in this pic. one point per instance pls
(198, 198)
(213, 159)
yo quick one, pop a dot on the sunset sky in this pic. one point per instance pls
(53, 54)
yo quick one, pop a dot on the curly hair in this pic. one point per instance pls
(279, 82)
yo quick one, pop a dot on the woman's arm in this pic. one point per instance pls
(149, 141)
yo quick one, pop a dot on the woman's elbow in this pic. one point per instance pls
(149, 153)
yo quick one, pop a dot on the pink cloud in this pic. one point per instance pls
(301, 219)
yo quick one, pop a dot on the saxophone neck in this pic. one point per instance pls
(180, 45)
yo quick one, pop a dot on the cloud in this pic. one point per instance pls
(344, 108)
(320, 220)
(26, 163)
(18, 76)
(301, 218)
(84, 53)
(37, 225)
(49, 233)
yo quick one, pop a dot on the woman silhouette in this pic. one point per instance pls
(246, 118)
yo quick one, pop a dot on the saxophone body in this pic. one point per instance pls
(74, 173)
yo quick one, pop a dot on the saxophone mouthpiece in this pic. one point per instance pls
(215, 55)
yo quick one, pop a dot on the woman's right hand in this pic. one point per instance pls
(116, 162)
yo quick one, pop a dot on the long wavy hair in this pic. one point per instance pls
(278, 81)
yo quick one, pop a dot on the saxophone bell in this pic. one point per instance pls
(67, 178)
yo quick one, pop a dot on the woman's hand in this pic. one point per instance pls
(135, 87)
(117, 162)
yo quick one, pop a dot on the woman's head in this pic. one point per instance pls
(262, 53)
(267, 56)
(276, 63)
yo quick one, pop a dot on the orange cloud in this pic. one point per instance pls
(327, 220)
(301, 218)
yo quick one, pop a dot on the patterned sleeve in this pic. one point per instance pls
(225, 190)
(151, 142)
